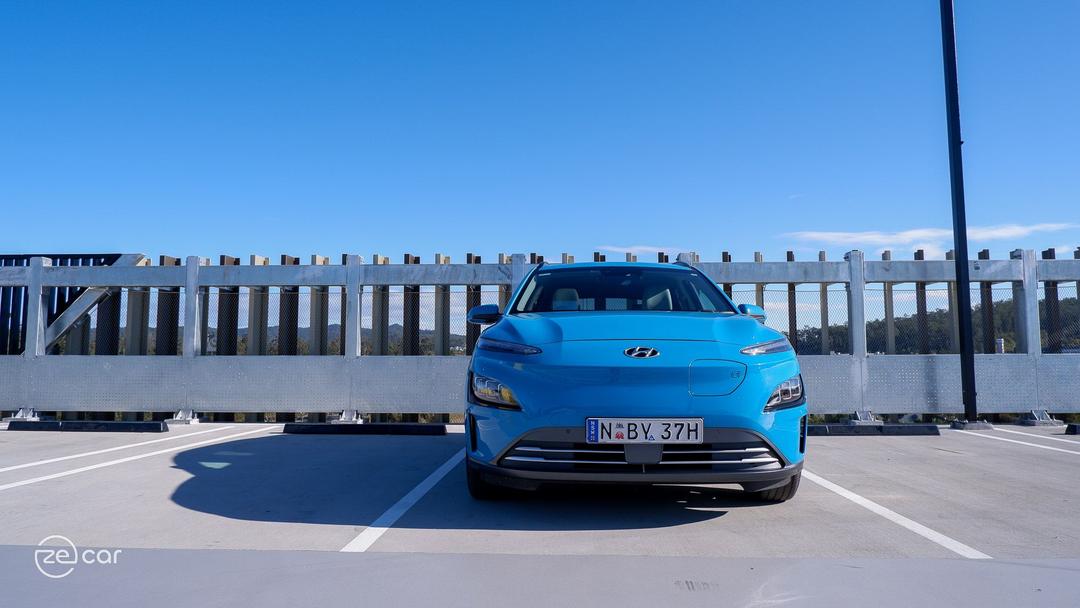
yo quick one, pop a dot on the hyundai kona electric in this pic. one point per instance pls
(631, 373)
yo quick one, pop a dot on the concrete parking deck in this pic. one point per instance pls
(987, 517)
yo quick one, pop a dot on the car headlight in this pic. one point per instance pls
(788, 394)
(490, 390)
(768, 348)
(501, 346)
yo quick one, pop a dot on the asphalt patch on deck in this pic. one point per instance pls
(373, 428)
(819, 430)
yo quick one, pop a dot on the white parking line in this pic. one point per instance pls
(1038, 435)
(1034, 445)
(932, 535)
(100, 465)
(365, 539)
(107, 450)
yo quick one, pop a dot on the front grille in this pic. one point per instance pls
(749, 453)
(550, 455)
(755, 455)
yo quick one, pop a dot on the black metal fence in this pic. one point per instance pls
(13, 300)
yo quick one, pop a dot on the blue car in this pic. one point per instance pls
(631, 373)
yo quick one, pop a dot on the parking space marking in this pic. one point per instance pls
(101, 465)
(1039, 436)
(1034, 445)
(932, 535)
(107, 450)
(384, 522)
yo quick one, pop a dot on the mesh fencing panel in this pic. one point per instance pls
(299, 321)
(1059, 317)
(411, 324)
(273, 320)
(921, 317)
(106, 329)
(167, 321)
(923, 321)
(808, 315)
(994, 319)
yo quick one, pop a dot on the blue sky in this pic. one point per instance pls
(199, 128)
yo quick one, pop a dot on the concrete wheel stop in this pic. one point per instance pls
(971, 425)
(864, 422)
(91, 426)
(881, 428)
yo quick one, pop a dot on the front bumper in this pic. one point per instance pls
(757, 481)
(561, 455)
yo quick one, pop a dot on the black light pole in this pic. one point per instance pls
(959, 217)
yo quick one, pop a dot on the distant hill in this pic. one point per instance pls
(396, 335)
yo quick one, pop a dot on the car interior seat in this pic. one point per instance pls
(564, 299)
(658, 298)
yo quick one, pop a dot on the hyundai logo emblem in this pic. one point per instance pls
(641, 352)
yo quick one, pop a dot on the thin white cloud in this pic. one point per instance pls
(1064, 252)
(932, 251)
(639, 249)
(934, 241)
(1012, 231)
(907, 237)
(871, 237)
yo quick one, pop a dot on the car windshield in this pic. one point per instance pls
(621, 289)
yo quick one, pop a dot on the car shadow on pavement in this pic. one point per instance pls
(573, 507)
(351, 480)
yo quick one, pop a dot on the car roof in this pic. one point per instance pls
(580, 265)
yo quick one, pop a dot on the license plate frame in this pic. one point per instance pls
(623, 431)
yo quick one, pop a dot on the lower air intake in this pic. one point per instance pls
(724, 450)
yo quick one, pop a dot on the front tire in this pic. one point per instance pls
(780, 494)
(480, 489)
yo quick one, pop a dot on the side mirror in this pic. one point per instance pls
(754, 311)
(485, 314)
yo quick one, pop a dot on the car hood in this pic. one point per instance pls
(546, 328)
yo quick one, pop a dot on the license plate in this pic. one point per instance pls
(643, 430)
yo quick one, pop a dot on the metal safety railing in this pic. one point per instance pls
(871, 335)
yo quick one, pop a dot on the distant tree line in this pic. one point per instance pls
(939, 331)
